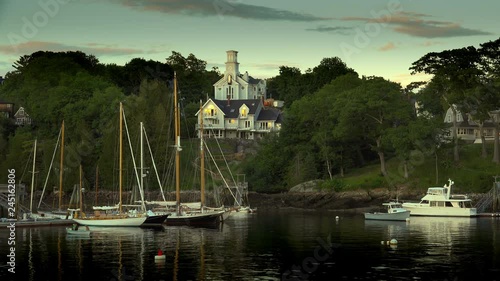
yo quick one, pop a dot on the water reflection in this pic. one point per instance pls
(263, 246)
(441, 239)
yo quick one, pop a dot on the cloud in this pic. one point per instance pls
(416, 25)
(431, 43)
(231, 8)
(387, 47)
(344, 30)
(91, 48)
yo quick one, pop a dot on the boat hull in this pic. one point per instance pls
(156, 220)
(129, 221)
(399, 216)
(418, 209)
(195, 219)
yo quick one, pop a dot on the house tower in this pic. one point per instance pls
(232, 65)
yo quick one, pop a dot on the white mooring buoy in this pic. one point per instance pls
(160, 257)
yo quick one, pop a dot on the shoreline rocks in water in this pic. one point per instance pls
(353, 200)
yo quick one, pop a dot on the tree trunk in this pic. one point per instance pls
(380, 153)
(456, 157)
(405, 167)
(329, 168)
(361, 159)
(437, 167)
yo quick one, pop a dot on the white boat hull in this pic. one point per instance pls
(399, 216)
(418, 209)
(130, 221)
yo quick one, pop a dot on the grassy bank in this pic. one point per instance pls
(471, 174)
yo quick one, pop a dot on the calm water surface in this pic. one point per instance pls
(269, 245)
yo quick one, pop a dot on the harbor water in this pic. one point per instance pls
(278, 244)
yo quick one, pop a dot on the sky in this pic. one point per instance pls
(375, 37)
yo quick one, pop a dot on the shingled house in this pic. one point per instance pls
(240, 108)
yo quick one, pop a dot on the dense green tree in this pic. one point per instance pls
(376, 107)
(455, 73)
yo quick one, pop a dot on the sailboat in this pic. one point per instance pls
(58, 213)
(182, 214)
(75, 230)
(113, 215)
(152, 218)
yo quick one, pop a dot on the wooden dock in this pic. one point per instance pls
(33, 223)
(493, 215)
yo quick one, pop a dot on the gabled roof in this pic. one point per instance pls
(252, 80)
(269, 114)
(21, 109)
(233, 109)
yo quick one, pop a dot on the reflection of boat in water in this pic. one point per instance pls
(441, 203)
(440, 226)
(78, 231)
(441, 235)
(394, 212)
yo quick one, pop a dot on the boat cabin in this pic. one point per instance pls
(394, 207)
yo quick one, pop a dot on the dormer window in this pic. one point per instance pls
(244, 112)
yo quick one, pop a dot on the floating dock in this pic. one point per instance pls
(494, 215)
(33, 223)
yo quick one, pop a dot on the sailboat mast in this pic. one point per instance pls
(142, 160)
(96, 183)
(80, 195)
(202, 161)
(120, 165)
(177, 147)
(33, 177)
(61, 165)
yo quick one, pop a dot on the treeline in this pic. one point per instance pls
(76, 88)
(335, 121)
(350, 121)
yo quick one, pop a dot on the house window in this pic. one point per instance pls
(244, 112)
(247, 124)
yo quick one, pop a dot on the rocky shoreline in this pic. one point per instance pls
(353, 201)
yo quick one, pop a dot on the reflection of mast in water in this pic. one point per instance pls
(120, 265)
(59, 257)
(202, 257)
(143, 252)
(30, 258)
(176, 257)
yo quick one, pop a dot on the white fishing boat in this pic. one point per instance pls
(440, 202)
(394, 212)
